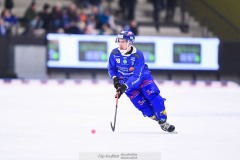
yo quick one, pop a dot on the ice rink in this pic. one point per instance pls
(52, 120)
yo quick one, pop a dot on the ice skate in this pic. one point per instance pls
(166, 126)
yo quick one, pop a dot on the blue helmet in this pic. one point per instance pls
(127, 35)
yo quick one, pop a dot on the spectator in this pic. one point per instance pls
(82, 18)
(9, 4)
(88, 3)
(73, 28)
(30, 13)
(128, 8)
(3, 30)
(90, 29)
(45, 16)
(170, 10)
(157, 6)
(65, 18)
(72, 13)
(106, 30)
(104, 17)
(31, 19)
(81, 15)
(56, 20)
(10, 22)
(132, 26)
(93, 18)
(8, 17)
(97, 3)
(82, 3)
(36, 23)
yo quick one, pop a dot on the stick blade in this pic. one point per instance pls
(113, 127)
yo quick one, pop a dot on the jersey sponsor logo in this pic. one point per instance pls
(133, 60)
(141, 102)
(134, 94)
(145, 83)
(126, 74)
(125, 60)
(150, 91)
(118, 60)
(123, 69)
(136, 55)
(115, 52)
(131, 69)
(137, 80)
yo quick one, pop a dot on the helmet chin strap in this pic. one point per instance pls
(124, 51)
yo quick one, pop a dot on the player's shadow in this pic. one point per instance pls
(121, 132)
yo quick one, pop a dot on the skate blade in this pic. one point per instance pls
(173, 132)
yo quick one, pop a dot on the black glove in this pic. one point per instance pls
(121, 90)
(116, 82)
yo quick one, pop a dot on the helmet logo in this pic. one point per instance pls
(129, 33)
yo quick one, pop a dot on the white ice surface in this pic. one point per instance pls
(54, 122)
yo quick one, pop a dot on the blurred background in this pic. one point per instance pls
(72, 39)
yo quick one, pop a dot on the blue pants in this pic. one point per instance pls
(146, 98)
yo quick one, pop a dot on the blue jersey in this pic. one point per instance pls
(142, 90)
(130, 69)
